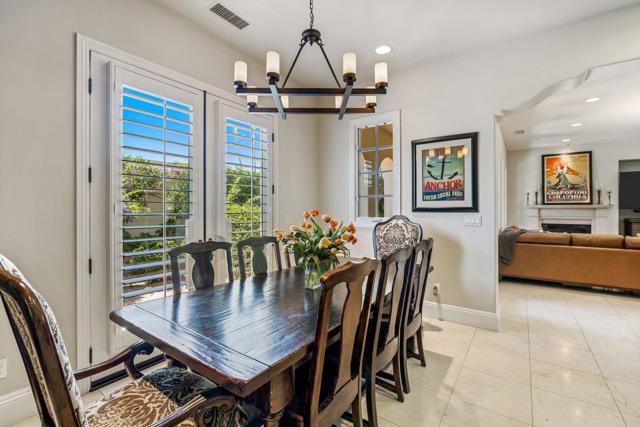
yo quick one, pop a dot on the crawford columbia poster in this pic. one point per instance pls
(566, 179)
(444, 173)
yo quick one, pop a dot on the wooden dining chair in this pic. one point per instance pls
(412, 323)
(385, 333)
(394, 233)
(330, 384)
(259, 257)
(165, 397)
(203, 273)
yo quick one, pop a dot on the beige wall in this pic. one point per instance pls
(37, 135)
(462, 94)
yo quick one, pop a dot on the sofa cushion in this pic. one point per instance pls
(546, 238)
(632, 242)
(597, 240)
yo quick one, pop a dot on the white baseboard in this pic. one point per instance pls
(465, 316)
(17, 406)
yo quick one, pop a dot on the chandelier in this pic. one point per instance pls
(281, 94)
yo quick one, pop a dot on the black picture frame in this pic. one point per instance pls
(473, 136)
(543, 183)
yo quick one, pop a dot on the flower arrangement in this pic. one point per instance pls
(317, 242)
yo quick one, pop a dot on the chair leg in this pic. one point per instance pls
(404, 373)
(370, 389)
(356, 412)
(423, 360)
(396, 375)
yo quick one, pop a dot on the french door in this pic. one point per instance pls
(146, 195)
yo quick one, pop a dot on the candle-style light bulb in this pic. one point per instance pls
(240, 74)
(252, 100)
(285, 101)
(382, 77)
(349, 66)
(370, 100)
(273, 65)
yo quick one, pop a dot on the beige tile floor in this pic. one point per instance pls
(564, 357)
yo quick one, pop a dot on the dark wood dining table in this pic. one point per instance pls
(247, 336)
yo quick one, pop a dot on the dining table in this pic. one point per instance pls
(246, 336)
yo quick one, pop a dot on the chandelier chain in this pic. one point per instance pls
(311, 13)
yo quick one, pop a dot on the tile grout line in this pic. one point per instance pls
(453, 389)
(624, 421)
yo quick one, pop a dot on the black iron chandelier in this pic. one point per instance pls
(281, 94)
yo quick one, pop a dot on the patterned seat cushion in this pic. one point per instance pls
(154, 397)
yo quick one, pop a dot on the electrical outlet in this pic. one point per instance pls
(436, 289)
(3, 368)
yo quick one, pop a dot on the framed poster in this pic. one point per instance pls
(567, 179)
(445, 173)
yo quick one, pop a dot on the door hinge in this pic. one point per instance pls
(90, 265)
(89, 173)
(90, 355)
(273, 137)
(90, 85)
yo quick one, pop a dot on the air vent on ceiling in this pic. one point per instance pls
(519, 132)
(229, 16)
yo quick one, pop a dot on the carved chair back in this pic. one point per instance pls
(203, 273)
(396, 272)
(344, 387)
(259, 257)
(42, 350)
(396, 232)
(422, 263)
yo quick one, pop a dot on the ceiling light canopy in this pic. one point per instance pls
(281, 94)
(590, 100)
(383, 49)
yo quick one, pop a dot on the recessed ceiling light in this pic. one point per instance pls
(383, 49)
(592, 100)
(566, 140)
(575, 125)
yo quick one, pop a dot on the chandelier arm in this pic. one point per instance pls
(329, 64)
(294, 63)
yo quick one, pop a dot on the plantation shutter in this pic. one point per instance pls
(156, 183)
(248, 176)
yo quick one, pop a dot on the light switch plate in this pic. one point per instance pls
(3, 368)
(473, 220)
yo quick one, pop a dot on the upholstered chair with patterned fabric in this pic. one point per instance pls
(166, 397)
(395, 233)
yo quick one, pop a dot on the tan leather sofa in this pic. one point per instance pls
(586, 259)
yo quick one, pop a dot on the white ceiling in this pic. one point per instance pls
(614, 118)
(417, 30)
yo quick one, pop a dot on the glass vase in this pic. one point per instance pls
(313, 273)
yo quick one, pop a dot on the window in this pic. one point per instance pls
(376, 150)
(156, 188)
(248, 188)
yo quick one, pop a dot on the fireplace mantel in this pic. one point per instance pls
(594, 215)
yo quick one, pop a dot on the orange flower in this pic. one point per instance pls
(333, 224)
(308, 225)
(351, 228)
(339, 242)
(354, 240)
(346, 236)
(305, 214)
(326, 218)
(344, 228)
(314, 212)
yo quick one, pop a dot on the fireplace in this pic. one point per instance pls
(567, 228)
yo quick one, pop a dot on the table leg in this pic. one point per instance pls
(273, 398)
